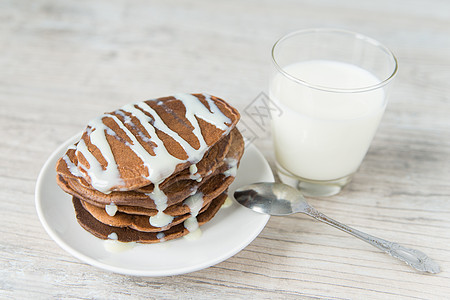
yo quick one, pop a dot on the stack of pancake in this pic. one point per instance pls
(154, 170)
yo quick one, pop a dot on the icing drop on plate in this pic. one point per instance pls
(114, 246)
(193, 236)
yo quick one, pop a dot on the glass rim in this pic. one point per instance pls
(356, 35)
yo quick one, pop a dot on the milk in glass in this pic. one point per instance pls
(324, 131)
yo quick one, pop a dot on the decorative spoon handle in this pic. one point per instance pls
(415, 258)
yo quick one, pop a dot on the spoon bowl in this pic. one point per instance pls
(274, 199)
(279, 199)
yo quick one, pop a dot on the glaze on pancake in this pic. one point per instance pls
(125, 234)
(157, 168)
(146, 142)
(176, 192)
(136, 222)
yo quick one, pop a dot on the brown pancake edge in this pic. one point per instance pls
(125, 234)
(137, 222)
(176, 192)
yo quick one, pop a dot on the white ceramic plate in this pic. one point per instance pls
(230, 231)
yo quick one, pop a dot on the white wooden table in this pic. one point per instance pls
(65, 62)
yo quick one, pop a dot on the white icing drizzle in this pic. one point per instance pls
(193, 154)
(196, 108)
(160, 219)
(232, 167)
(113, 236)
(72, 167)
(161, 236)
(101, 180)
(191, 224)
(111, 209)
(193, 169)
(162, 161)
(158, 197)
(195, 203)
(196, 177)
(194, 191)
(162, 164)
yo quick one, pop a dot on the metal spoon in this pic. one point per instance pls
(279, 199)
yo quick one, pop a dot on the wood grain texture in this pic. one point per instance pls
(65, 62)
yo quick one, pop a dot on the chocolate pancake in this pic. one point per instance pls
(140, 220)
(146, 142)
(125, 234)
(179, 191)
(153, 169)
(207, 164)
(211, 187)
(137, 222)
(176, 192)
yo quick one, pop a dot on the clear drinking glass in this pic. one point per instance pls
(331, 87)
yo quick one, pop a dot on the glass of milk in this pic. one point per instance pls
(331, 87)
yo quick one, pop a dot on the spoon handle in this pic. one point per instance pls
(412, 257)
